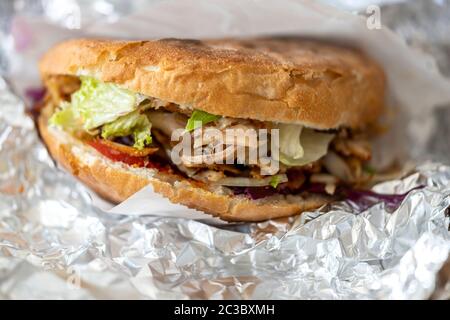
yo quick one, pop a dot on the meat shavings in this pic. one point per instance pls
(61, 87)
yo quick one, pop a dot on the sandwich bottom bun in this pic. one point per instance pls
(116, 181)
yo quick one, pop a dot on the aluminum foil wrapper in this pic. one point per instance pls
(54, 243)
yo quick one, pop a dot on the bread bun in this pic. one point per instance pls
(269, 79)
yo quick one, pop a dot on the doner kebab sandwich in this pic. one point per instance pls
(183, 115)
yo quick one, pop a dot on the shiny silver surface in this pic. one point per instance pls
(55, 244)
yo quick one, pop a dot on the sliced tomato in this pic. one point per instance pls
(116, 155)
(127, 149)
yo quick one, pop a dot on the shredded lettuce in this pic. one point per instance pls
(66, 118)
(290, 140)
(369, 169)
(97, 103)
(274, 181)
(133, 123)
(252, 182)
(200, 118)
(300, 146)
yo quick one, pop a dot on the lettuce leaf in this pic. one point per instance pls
(300, 146)
(97, 103)
(290, 140)
(134, 123)
(200, 118)
(66, 118)
(274, 181)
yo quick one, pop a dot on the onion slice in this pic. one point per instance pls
(250, 182)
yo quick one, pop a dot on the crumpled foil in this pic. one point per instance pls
(55, 244)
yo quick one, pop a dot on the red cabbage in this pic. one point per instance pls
(255, 192)
(363, 199)
(35, 94)
(366, 198)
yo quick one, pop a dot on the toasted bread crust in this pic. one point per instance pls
(116, 182)
(272, 79)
